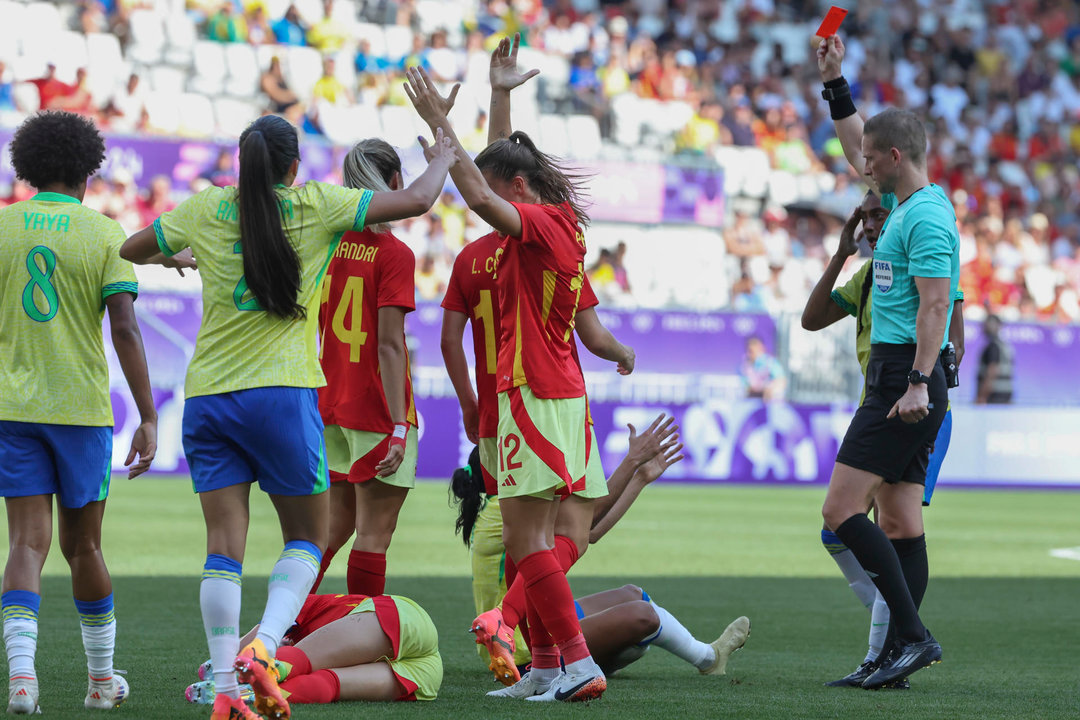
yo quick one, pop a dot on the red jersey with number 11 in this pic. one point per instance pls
(369, 271)
(540, 276)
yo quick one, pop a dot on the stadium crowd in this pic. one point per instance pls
(1000, 82)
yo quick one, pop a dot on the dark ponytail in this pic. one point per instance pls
(552, 181)
(467, 491)
(271, 265)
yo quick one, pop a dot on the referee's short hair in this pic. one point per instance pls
(900, 129)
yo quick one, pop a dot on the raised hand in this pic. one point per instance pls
(430, 105)
(849, 243)
(441, 149)
(653, 469)
(181, 261)
(830, 54)
(657, 438)
(503, 71)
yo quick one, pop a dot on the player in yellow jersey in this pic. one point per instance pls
(60, 269)
(251, 412)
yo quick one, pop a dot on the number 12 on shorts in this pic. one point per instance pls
(508, 448)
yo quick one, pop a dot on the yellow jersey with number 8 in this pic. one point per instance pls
(59, 260)
(241, 346)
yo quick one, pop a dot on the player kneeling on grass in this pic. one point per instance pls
(350, 647)
(60, 268)
(619, 625)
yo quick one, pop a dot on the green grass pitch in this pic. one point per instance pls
(1002, 606)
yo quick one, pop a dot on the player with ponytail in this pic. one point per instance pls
(251, 412)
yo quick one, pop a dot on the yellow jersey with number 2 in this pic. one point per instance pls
(59, 260)
(241, 346)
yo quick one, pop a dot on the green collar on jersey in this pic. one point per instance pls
(55, 197)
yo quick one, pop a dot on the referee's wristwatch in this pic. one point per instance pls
(917, 378)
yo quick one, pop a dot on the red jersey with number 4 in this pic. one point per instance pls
(540, 277)
(368, 271)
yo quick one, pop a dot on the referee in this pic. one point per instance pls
(886, 450)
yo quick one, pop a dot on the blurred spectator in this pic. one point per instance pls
(329, 35)
(223, 172)
(124, 110)
(995, 378)
(7, 89)
(259, 31)
(75, 98)
(443, 62)
(328, 88)
(49, 88)
(225, 25)
(429, 285)
(155, 200)
(761, 373)
(743, 238)
(276, 88)
(618, 264)
(290, 29)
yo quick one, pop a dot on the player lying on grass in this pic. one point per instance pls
(618, 625)
(824, 307)
(350, 647)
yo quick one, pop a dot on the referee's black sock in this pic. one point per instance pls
(912, 555)
(878, 557)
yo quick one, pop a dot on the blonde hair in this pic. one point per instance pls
(371, 164)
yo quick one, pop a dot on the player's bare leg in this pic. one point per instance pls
(377, 509)
(342, 500)
(29, 536)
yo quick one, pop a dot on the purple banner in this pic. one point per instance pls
(620, 192)
(1046, 370)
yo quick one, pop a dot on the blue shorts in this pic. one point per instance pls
(941, 446)
(579, 611)
(273, 435)
(73, 462)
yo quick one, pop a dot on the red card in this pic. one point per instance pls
(832, 21)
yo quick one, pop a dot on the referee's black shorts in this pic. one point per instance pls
(891, 448)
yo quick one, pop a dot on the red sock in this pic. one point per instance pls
(546, 588)
(326, 558)
(367, 573)
(322, 686)
(301, 664)
(541, 646)
(566, 552)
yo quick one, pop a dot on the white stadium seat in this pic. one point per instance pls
(304, 68)
(243, 70)
(553, 137)
(147, 36)
(182, 38)
(209, 67)
(233, 115)
(375, 36)
(163, 112)
(11, 29)
(585, 140)
(166, 79)
(196, 115)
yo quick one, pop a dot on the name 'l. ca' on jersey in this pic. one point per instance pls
(59, 260)
(240, 345)
(472, 291)
(369, 271)
(540, 276)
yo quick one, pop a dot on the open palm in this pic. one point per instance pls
(503, 71)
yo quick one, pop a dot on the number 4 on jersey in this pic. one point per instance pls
(351, 306)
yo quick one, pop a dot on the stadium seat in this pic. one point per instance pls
(755, 164)
(347, 125)
(782, 188)
(147, 37)
(439, 15)
(167, 79)
(182, 38)
(163, 112)
(374, 35)
(68, 53)
(233, 115)
(209, 68)
(345, 68)
(243, 70)
(554, 139)
(196, 115)
(585, 141)
(303, 70)
(11, 29)
(27, 97)
(398, 42)
(401, 125)
(627, 119)
(310, 10)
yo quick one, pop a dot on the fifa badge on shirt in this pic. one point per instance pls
(883, 275)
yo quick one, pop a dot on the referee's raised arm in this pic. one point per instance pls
(848, 123)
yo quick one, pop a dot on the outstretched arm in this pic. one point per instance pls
(654, 468)
(505, 76)
(849, 130)
(601, 343)
(495, 211)
(457, 367)
(422, 193)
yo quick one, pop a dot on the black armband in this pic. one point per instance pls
(838, 94)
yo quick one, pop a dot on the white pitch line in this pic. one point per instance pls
(1066, 553)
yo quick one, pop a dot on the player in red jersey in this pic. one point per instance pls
(351, 647)
(367, 405)
(543, 436)
(469, 298)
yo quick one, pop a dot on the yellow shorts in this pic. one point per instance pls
(416, 663)
(595, 479)
(489, 463)
(489, 571)
(544, 446)
(353, 454)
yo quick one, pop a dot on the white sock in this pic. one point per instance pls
(98, 623)
(584, 666)
(292, 578)
(879, 627)
(20, 609)
(857, 578)
(677, 640)
(219, 598)
(544, 675)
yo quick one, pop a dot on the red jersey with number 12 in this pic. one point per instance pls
(473, 291)
(369, 271)
(540, 276)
